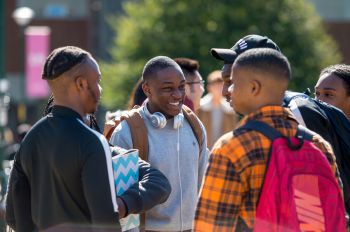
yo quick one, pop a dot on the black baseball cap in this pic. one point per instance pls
(245, 43)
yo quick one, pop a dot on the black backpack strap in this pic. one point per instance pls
(272, 133)
(263, 128)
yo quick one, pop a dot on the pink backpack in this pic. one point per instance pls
(300, 192)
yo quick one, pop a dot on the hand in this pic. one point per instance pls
(121, 208)
(109, 128)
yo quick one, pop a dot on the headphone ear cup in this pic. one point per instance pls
(178, 121)
(158, 120)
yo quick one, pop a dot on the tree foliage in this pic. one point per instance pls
(182, 28)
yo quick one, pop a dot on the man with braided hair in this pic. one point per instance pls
(62, 179)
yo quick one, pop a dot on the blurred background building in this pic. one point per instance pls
(336, 18)
(80, 23)
(84, 23)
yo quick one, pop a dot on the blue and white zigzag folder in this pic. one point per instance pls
(126, 173)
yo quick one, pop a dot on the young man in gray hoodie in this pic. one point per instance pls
(173, 146)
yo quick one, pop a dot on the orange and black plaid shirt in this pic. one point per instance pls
(236, 171)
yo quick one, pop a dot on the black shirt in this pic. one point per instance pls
(63, 173)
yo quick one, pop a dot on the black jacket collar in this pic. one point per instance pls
(65, 111)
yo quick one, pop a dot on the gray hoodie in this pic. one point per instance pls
(184, 169)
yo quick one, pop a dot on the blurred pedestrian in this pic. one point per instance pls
(11, 150)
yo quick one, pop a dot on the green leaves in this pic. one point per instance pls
(182, 28)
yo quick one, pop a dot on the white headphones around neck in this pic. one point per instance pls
(158, 120)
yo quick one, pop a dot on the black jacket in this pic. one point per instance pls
(60, 179)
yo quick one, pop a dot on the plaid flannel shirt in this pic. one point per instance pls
(236, 171)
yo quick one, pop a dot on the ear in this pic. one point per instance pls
(81, 83)
(146, 89)
(255, 87)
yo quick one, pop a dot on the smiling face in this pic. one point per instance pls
(331, 89)
(166, 91)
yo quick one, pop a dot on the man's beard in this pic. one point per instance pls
(95, 99)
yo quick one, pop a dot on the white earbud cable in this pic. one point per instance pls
(178, 166)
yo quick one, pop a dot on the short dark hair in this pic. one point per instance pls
(188, 66)
(342, 71)
(266, 60)
(156, 64)
(61, 60)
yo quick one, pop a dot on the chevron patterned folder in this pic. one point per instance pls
(126, 173)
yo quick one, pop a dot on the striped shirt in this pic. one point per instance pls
(236, 171)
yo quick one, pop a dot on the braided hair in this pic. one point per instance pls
(60, 61)
(49, 105)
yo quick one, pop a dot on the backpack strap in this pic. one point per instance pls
(194, 123)
(263, 128)
(138, 131)
(272, 133)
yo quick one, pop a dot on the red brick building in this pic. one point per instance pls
(336, 17)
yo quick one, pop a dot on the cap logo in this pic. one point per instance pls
(242, 44)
